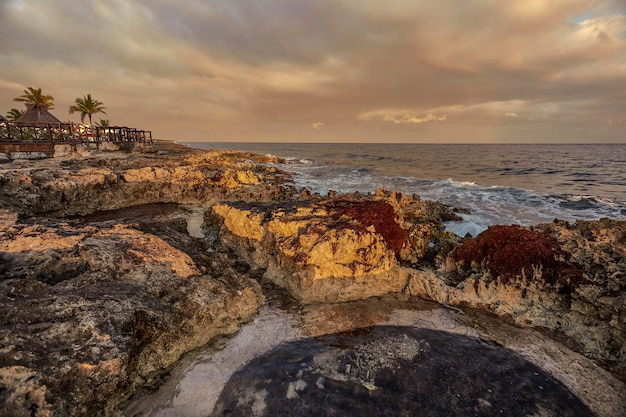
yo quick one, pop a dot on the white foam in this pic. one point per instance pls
(406, 169)
(488, 204)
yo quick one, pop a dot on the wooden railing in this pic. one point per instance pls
(69, 133)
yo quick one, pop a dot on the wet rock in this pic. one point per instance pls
(197, 382)
(394, 371)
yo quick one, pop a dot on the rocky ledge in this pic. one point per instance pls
(569, 279)
(93, 307)
(114, 264)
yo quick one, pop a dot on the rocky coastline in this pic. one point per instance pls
(115, 264)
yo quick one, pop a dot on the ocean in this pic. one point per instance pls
(521, 184)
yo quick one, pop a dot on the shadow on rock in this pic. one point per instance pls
(395, 371)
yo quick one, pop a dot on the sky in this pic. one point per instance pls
(394, 71)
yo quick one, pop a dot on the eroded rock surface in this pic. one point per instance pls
(108, 181)
(338, 249)
(95, 303)
(90, 312)
(91, 309)
(568, 278)
(565, 278)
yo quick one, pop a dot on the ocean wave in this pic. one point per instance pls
(294, 160)
(488, 204)
(499, 184)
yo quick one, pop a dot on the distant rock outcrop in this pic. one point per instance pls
(109, 181)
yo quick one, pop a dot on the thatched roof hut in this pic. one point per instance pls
(37, 114)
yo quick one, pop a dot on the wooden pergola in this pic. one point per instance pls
(15, 135)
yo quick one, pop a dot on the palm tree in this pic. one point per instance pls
(87, 106)
(14, 114)
(104, 123)
(36, 98)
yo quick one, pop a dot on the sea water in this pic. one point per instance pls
(521, 184)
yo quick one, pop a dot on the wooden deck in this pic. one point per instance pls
(35, 137)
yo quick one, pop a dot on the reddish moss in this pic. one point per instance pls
(506, 251)
(300, 257)
(373, 213)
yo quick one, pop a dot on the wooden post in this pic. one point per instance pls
(8, 128)
(73, 140)
(50, 134)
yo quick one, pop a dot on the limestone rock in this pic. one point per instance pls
(567, 279)
(562, 277)
(338, 249)
(83, 185)
(90, 312)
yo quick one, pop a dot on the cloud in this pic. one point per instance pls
(511, 114)
(249, 69)
(402, 117)
(318, 125)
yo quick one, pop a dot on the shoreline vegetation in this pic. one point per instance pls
(116, 263)
(36, 133)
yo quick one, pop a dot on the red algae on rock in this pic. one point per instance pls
(379, 214)
(511, 251)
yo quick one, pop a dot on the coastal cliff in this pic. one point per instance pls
(104, 286)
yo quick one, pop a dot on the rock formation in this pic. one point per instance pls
(340, 249)
(103, 289)
(568, 278)
(565, 278)
(92, 309)
(91, 312)
(108, 181)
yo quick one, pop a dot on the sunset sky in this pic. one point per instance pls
(328, 70)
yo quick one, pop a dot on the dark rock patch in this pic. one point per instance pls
(395, 371)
